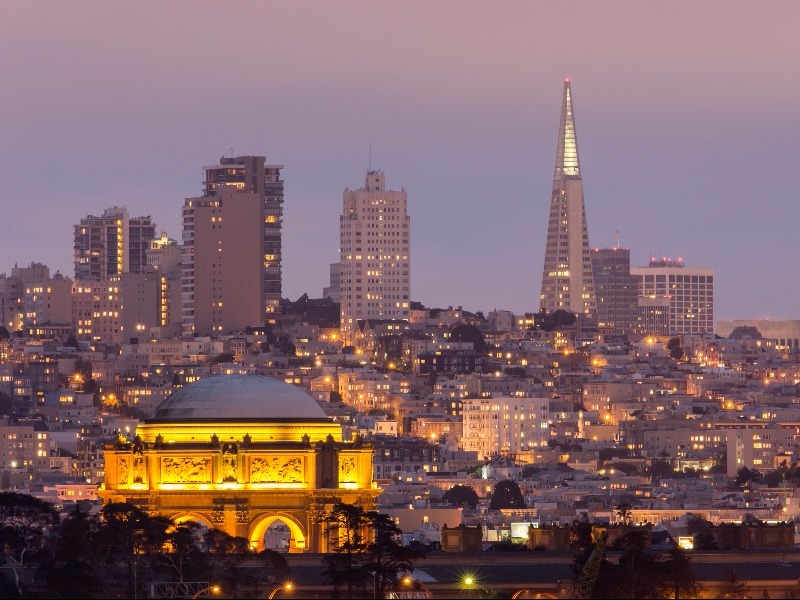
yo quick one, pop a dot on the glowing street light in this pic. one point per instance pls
(214, 589)
(286, 587)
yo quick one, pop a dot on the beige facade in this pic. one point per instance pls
(23, 447)
(374, 265)
(30, 298)
(111, 244)
(690, 292)
(507, 426)
(232, 248)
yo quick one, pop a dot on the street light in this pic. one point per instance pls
(214, 589)
(286, 587)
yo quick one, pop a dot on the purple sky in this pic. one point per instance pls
(687, 117)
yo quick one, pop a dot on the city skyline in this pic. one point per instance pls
(679, 127)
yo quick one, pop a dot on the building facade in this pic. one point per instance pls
(375, 270)
(111, 244)
(242, 453)
(615, 290)
(567, 281)
(504, 426)
(31, 299)
(690, 292)
(232, 247)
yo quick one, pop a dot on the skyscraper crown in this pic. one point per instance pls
(567, 154)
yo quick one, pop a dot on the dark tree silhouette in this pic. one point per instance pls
(459, 495)
(507, 495)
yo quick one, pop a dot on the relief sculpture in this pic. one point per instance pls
(276, 470)
(123, 471)
(347, 466)
(186, 470)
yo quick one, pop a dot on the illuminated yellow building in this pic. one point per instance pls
(241, 453)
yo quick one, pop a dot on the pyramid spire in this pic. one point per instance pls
(567, 154)
(567, 279)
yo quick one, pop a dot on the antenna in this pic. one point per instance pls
(231, 151)
(369, 165)
(618, 244)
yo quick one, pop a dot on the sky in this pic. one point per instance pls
(687, 117)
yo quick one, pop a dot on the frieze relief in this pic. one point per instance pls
(185, 470)
(347, 469)
(123, 470)
(276, 469)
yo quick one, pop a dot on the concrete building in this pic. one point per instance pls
(375, 271)
(31, 299)
(232, 247)
(567, 281)
(615, 290)
(690, 292)
(111, 244)
(164, 259)
(24, 446)
(786, 333)
(756, 447)
(332, 290)
(507, 426)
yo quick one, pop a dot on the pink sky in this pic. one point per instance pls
(686, 113)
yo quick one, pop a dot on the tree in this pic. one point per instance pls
(346, 527)
(507, 495)
(72, 341)
(745, 476)
(660, 469)
(459, 495)
(24, 522)
(624, 512)
(733, 587)
(73, 564)
(4, 334)
(387, 558)
(700, 529)
(224, 357)
(133, 538)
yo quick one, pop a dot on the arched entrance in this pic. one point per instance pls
(271, 527)
(192, 517)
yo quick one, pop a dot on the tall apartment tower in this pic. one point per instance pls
(374, 254)
(567, 282)
(111, 244)
(616, 290)
(687, 293)
(232, 247)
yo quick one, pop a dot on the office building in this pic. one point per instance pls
(567, 282)
(374, 265)
(232, 247)
(111, 244)
(689, 291)
(615, 290)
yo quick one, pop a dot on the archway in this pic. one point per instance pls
(192, 517)
(262, 528)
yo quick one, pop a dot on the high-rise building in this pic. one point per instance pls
(164, 259)
(232, 247)
(615, 290)
(689, 291)
(567, 277)
(111, 244)
(374, 265)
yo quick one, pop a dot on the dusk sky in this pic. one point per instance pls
(687, 117)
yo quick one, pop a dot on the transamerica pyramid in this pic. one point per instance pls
(567, 282)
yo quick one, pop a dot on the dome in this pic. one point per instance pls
(239, 398)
